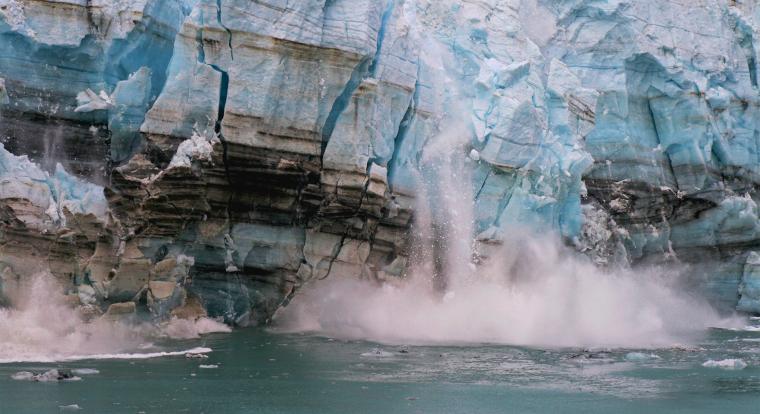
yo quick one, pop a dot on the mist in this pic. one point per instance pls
(41, 326)
(555, 301)
(531, 290)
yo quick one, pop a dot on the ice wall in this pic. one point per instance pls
(246, 148)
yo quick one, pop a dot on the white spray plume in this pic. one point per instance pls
(41, 327)
(530, 291)
(545, 299)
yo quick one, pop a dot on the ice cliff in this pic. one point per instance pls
(213, 156)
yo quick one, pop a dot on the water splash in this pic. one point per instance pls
(530, 289)
(555, 301)
(40, 326)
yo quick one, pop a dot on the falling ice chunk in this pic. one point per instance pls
(89, 101)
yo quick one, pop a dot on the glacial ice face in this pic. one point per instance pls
(279, 142)
(44, 201)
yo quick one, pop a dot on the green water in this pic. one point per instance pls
(264, 372)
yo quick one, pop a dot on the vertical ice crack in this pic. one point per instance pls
(343, 100)
(381, 36)
(227, 29)
(335, 253)
(366, 68)
(221, 107)
(659, 143)
(403, 130)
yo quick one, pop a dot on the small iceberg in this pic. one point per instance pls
(70, 407)
(209, 366)
(730, 364)
(85, 371)
(639, 356)
(47, 376)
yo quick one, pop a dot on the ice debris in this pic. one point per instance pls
(90, 101)
(727, 364)
(640, 356)
(47, 376)
(85, 371)
(197, 147)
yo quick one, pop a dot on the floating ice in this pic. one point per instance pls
(85, 371)
(23, 376)
(191, 354)
(640, 356)
(728, 364)
(47, 376)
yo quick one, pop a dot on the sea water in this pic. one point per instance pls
(263, 371)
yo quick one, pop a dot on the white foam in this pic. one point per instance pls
(138, 355)
(729, 364)
(42, 327)
(209, 366)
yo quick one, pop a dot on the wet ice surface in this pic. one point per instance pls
(297, 373)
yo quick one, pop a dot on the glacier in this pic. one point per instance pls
(207, 157)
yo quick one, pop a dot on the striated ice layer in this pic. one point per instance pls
(247, 148)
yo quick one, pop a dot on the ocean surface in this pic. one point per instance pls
(261, 371)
